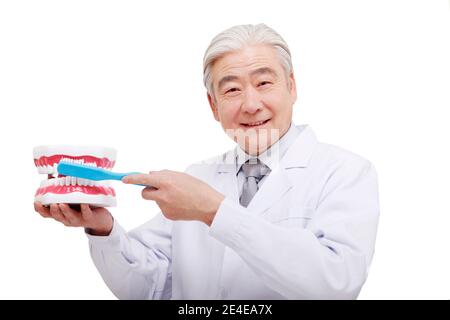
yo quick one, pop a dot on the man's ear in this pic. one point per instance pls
(292, 87)
(213, 106)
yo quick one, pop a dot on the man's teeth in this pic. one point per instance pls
(255, 123)
(72, 181)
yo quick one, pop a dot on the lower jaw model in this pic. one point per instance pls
(64, 189)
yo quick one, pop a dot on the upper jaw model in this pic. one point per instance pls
(63, 189)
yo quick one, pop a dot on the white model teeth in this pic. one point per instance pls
(54, 170)
(77, 161)
(91, 164)
(47, 169)
(80, 161)
(72, 181)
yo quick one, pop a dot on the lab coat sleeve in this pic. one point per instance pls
(329, 258)
(136, 265)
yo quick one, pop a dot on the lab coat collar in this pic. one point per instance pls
(297, 156)
(277, 182)
(271, 157)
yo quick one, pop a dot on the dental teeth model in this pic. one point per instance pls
(64, 189)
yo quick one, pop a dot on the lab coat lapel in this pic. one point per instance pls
(278, 183)
(275, 186)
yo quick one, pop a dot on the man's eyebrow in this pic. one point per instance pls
(263, 70)
(225, 80)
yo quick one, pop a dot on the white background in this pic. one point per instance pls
(373, 77)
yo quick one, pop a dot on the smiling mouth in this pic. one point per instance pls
(255, 124)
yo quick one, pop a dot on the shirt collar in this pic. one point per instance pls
(272, 156)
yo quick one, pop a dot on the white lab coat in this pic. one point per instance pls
(308, 233)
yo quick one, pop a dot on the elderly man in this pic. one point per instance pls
(281, 216)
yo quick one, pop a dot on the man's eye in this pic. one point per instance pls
(263, 83)
(232, 90)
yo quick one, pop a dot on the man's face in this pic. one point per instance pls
(253, 98)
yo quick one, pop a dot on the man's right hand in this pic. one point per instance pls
(97, 221)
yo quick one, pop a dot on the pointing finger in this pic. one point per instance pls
(152, 179)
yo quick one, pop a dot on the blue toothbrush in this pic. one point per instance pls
(91, 173)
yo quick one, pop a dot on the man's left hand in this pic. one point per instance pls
(179, 195)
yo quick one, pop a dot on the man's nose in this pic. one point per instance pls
(252, 101)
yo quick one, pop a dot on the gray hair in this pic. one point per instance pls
(236, 38)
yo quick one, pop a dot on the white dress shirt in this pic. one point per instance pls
(308, 233)
(270, 157)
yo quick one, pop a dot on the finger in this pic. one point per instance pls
(57, 215)
(86, 212)
(70, 215)
(150, 193)
(39, 208)
(152, 179)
